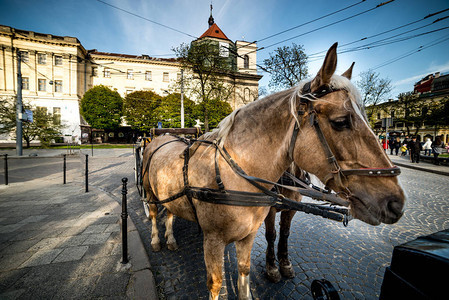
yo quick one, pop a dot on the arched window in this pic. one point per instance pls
(246, 95)
(246, 61)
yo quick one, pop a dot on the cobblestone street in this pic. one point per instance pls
(353, 259)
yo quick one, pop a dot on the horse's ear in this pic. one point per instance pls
(327, 69)
(348, 73)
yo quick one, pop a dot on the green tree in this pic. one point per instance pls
(7, 115)
(373, 88)
(44, 127)
(102, 108)
(287, 66)
(217, 110)
(169, 111)
(139, 109)
(438, 115)
(205, 80)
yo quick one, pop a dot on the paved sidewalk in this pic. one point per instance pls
(58, 242)
(404, 161)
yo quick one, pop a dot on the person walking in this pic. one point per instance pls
(415, 148)
(437, 146)
(427, 147)
(405, 142)
(392, 145)
(397, 145)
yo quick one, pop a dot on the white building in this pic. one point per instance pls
(57, 71)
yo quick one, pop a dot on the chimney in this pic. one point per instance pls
(437, 74)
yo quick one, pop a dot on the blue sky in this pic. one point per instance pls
(99, 26)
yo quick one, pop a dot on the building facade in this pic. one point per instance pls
(428, 93)
(57, 71)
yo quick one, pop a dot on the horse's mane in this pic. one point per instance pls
(337, 82)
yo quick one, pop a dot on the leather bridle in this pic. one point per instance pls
(336, 174)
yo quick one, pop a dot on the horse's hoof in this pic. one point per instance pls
(287, 271)
(172, 246)
(156, 247)
(273, 274)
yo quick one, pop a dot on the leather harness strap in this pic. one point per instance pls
(269, 197)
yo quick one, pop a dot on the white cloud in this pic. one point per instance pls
(430, 70)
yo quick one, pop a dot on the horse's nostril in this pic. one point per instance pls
(395, 207)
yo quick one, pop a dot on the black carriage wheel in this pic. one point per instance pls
(323, 290)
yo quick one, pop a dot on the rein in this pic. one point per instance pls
(271, 197)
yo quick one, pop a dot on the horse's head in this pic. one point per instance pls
(336, 144)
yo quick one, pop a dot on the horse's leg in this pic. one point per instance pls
(171, 242)
(270, 235)
(213, 258)
(155, 242)
(243, 249)
(284, 262)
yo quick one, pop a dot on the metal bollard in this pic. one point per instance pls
(124, 216)
(87, 172)
(64, 168)
(6, 169)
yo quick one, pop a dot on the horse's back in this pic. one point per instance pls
(165, 173)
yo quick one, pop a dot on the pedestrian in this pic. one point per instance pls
(415, 148)
(405, 142)
(437, 146)
(384, 144)
(404, 150)
(392, 145)
(397, 145)
(427, 147)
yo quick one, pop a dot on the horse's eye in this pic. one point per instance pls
(341, 123)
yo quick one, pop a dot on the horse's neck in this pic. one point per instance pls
(260, 137)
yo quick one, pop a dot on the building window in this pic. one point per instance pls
(392, 113)
(378, 116)
(41, 109)
(129, 74)
(223, 49)
(58, 60)
(246, 95)
(25, 83)
(42, 58)
(41, 85)
(107, 72)
(58, 86)
(57, 115)
(165, 77)
(24, 55)
(148, 76)
(95, 71)
(246, 62)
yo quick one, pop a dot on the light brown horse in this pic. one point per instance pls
(285, 267)
(258, 136)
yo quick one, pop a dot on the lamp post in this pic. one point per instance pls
(182, 98)
(19, 149)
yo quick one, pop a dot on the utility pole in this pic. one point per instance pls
(182, 98)
(19, 106)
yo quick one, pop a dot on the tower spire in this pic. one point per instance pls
(211, 19)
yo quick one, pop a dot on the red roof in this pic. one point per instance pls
(215, 32)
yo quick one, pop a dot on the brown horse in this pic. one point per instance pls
(258, 137)
(285, 267)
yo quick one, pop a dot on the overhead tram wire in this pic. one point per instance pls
(385, 41)
(391, 30)
(146, 19)
(324, 26)
(306, 23)
(414, 51)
